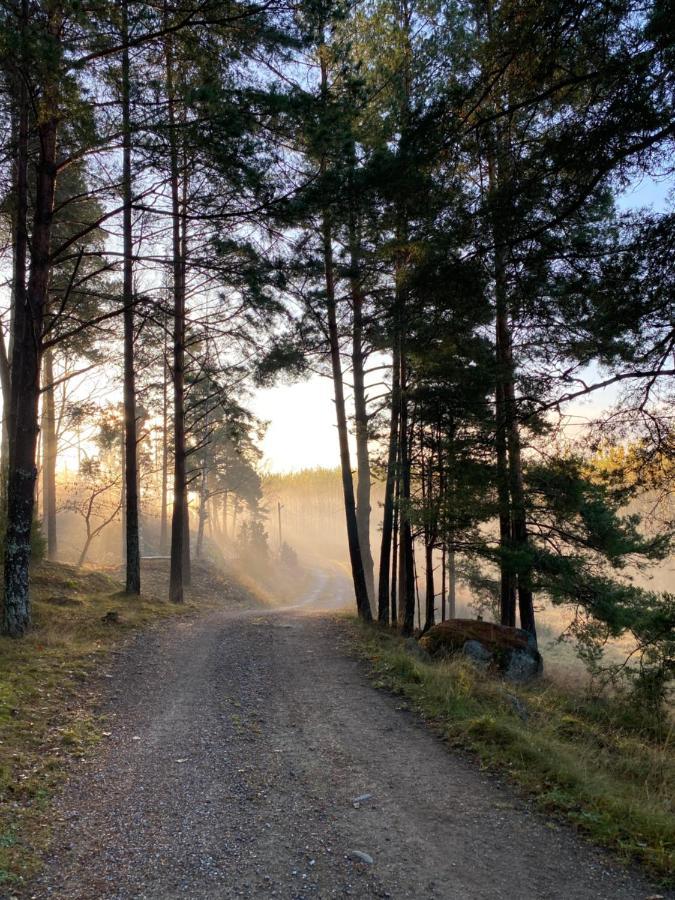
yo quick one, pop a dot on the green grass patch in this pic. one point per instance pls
(47, 700)
(578, 756)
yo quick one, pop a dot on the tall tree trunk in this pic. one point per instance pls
(430, 593)
(203, 496)
(503, 374)
(203, 500)
(358, 574)
(187, 561)
(363, 485)
(19, 123)
(452, 585)
(28, 324)
(508, 445)
(133, 549)
(394, 560)
(178, 515)
(383, 596)
(443, 583)
(406, 554)
(507, 581)
(49, 455)
(520, 535)
(510, 471)
(225, 527)
(235, 513)
(163, 526)
(5, 388)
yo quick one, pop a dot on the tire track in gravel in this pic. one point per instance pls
(237, 744)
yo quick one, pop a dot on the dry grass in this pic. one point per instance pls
(47, 698)
(590, 759)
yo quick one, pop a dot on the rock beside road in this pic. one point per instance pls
(508, 651)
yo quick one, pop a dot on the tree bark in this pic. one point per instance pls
(178, 515)
(203, 500)
(363, 484)
(452, 585)
(507, 602)
(430, 598)
(133, 549)
(26, 358)
(225, 531)
(394, 569)
(187, 560)
(358, 574)
(509, 446)
(388, 512)
(25, 396)
(406, 555)
(6, 390)
(163, 520)
(510, 472)
(49, 456)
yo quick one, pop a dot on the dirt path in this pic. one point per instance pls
(237, 745)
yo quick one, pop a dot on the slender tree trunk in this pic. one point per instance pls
(6, 391)
(363, 487)
(510, 471)
(443, 583)
(187, 560)
(388, 510)
(363, 507)
(49, 455)
(123, 497)
(430, 530)
(430, 606)
(520, 535)
(503, 374)
(178, 516)
(84, 552)
(406, 553)
(507, 581)
(358, 574)
(19, 137)
(132, 539)
(394, 561)
(20, 311)
(203, 500)
(452, 585)
(163, 527)
(28, 322)
(519, 541)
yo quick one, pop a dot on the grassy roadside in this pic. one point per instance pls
(578, 757)
(47, 702)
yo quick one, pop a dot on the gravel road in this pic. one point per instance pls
(237, 745)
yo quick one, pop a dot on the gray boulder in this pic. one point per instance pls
(478, 654)
(523, 665)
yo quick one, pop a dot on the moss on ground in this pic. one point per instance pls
(588, 759)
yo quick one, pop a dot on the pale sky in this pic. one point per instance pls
(302, 432)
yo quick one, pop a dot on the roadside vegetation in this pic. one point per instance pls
(48, 716)
(592, 759)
